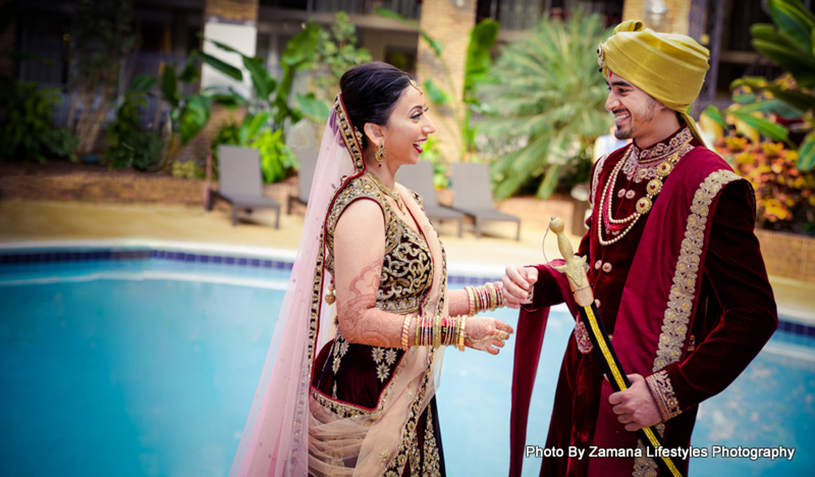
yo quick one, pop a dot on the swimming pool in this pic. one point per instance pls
(143, 362)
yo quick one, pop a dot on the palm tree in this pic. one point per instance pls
(545, 105)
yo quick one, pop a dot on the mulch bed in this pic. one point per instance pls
(60, 180)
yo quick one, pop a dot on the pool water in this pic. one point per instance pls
(148, 368)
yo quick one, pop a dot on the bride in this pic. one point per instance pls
(350, 389)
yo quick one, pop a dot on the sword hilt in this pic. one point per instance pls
(574, 268)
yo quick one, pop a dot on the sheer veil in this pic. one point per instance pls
(275, 438)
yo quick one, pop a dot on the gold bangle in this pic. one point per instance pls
(405, 326)
(461, 333)
(470, 299)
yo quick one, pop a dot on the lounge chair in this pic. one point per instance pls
(419, 178)
(307, 157)
(472, 195)
(241, 183)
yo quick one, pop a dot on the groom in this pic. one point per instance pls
(674, 265)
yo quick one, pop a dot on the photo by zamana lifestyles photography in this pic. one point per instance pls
(255, 238)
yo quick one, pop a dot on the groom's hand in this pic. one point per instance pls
(518, 285)
(635, 407)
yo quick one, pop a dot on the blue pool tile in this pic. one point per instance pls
(241, 261)
(230, 260)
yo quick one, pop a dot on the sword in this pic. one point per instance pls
(590, 316)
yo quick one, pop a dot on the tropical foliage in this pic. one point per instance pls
(785, 195)
(544, 105)
(790, 43)
(336, 53)
(272, 95)
(27, 131)
(268, 106)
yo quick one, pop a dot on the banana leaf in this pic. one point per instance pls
(801, 67)
(169, 86)
(716, 115)
(193, 116)
(219, 65)
(251, 126)
(763, 126)
(314, 109)
(482, 38)
(806, 153)
(190, 72)
(301, 49)
(143, 83)
(794, 19)
(263, 83)
(435, 93)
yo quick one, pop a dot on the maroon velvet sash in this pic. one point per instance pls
(528, 342)
(641, 319)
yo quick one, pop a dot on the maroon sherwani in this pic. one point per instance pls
(683, 293)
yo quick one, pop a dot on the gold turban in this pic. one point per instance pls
(670, 68)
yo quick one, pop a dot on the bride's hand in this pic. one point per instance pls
(486, 334)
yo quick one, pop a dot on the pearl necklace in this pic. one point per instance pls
(644, 204)
(389, 192)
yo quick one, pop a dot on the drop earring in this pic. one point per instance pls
(380, 154)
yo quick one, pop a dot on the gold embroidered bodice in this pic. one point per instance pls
(407, 268)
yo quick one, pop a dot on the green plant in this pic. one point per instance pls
(337, 52)
(790, 43)
(129, 146)
(189, 112)
(276, 158)
(545, 105)
(27, 131)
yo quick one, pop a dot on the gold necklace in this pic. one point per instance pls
(390, 193)
(643, 205)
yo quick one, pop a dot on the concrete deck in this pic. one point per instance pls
(38, 221)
